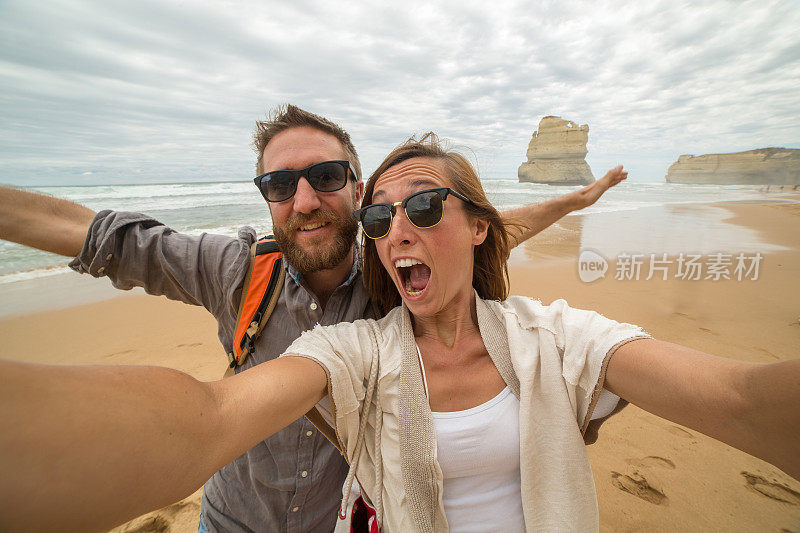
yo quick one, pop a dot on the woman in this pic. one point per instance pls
(405, 398)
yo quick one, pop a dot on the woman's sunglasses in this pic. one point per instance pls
(280, 185)
(424, 209)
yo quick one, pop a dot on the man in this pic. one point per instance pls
(292, 480)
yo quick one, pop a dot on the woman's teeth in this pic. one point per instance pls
(407, 262)
(410, 290)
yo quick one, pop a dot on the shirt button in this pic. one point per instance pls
(109, 256)
(309, 433)
(295, 509)
(313, 306)
(100, 270)
(304, 473)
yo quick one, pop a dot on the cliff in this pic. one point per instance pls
(765, 166)
(556, 154)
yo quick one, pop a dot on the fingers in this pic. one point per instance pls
(615, 175)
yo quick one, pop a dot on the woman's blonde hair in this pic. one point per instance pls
(490, 271)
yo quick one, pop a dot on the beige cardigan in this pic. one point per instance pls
(553, 358)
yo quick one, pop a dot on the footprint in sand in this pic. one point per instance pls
(192, 345)
(123, 352)
(637, 485)
(766, 352)
(709, 331)
(652, 460)
(151, 524)
(771, 489)
(680, 432)
(164, 520)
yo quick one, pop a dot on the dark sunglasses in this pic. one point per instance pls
(424, 209)
(328, 176)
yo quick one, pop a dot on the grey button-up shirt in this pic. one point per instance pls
(292, 480)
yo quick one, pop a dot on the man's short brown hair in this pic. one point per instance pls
(289, 116)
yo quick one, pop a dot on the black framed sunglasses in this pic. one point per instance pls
(328, 176)
(424, 209)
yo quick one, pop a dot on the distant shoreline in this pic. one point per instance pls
(48, 292)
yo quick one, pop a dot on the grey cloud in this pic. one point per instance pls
(170, 91)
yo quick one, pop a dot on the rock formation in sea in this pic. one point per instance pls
(557, 154)
(764, 166)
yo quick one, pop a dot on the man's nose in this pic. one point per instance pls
(306, 199)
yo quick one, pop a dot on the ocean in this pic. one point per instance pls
(223, 207)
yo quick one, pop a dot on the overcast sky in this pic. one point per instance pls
(164, 91)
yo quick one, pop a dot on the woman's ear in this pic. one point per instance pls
(480, 230)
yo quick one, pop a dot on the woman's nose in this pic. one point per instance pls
(402, 232)
(305, 197)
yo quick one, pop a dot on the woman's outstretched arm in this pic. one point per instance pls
(88, 447)
(752, 407)
(527, 221)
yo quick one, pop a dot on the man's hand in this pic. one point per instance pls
(591, 193)
(525, 222)
(43, 222)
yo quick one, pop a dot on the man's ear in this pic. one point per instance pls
(359, 192)
(480, 231)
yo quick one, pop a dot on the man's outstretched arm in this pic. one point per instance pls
(131, 249)
(529, 220)
(43, 222)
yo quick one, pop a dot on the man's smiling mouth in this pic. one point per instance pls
(312, 226)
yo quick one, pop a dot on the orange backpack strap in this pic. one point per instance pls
(260, 292)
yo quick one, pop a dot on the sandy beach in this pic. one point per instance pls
(650, 474)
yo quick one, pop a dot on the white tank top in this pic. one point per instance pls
(478, 452)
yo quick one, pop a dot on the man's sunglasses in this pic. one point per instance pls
(280, 185)
(424, 209)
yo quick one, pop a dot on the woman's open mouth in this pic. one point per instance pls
(414, 276)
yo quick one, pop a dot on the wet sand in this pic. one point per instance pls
(650, 473)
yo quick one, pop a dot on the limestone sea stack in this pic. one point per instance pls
(765, 166)
(557, 154)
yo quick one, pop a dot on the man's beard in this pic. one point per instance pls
(331, 255)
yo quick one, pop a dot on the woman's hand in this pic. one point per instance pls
(752, 407)
(592, 192)
(89, 447)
